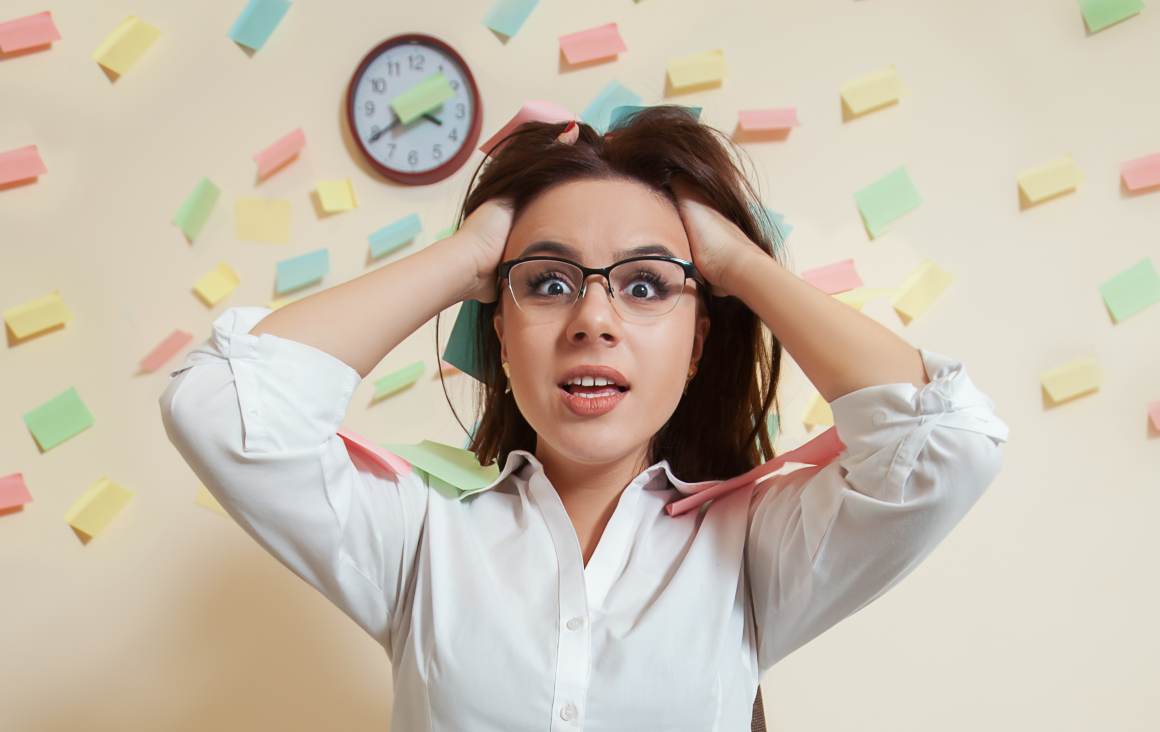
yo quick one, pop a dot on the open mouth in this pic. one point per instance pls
(593, 391)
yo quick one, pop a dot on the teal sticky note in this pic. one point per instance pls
(598, 113)
(58, 419)
(773, 224)
(257, 21)
(886, 199)
(394, 235)
(303, 270)
(461, 351)
(623, 113)
(195, 209)
(1132, 290)
(1099, 14)
(506, 16)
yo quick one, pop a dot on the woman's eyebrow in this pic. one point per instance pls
(555, 247)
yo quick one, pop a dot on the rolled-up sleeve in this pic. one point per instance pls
(256, 417)
(824, 542)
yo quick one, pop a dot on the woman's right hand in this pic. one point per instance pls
(483, 235)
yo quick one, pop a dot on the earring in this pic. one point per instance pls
(507, 372)
(692, 372)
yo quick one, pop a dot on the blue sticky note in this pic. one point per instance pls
(623, 113)
(257, 21)
(599, 111)
(506, 16)
(772, 223)
(394, 235)
(462, 351)
(302, 270)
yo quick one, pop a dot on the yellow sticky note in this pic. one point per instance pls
(818, 413)
(859, 296)
(699, 68)
(97, 506)
(127, 43)
(1047, 181)
(1073, 379)
(337, 195)
(262, 219)
(872, 91)
(217, 283)
(921, 288)
(37, 315)
(205, 499)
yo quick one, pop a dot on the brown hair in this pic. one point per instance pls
(718, 429)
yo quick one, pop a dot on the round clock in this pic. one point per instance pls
(439, 140)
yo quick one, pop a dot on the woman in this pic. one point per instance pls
(563, 595)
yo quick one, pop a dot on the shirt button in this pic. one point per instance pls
(575, 623)
(568, 711)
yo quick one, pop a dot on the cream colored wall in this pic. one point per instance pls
(1039, 612)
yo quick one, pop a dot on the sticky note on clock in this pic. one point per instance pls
(422, 97)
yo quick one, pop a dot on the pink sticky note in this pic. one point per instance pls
(833, 278)
(1142, 172)
(164, 350)
(587, 45)
(281, 152)
(758, 120)
(531, 111)
(28, 32)
(13, 491)
(378, 455)
(21, 163)
(1154, 413)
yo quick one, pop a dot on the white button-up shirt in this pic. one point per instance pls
(490, 617)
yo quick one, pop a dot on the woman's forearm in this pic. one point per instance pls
(360, 321)
(839, 348)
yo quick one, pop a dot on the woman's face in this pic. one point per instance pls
(597, 218)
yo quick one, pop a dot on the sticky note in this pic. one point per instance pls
(1132, 290)
(205, 499)
(216, 284)
(818, 413)
(58, 419)
(195, 209)
(598, 113)
(397, 380)
(1052, 179)
(336, 195)
(305, 269)
(1099, 14)
(97, 506)
(859, 296)
(422, 97)
(385, 458)
(1073, 379)
(507, 16)
(603, 41)
(452, 465)
(872, 91)
(37, 315)
(257, 21)
(28, 32)
(20, 164)
(1154, 413)
(622, 114)
(695, 69)
(920, 290)
(445, 232)
(460, 350)
(1142, 172)
(262, 219)
(280, 152)
(394, 235)
(772, 223)
(164, 350)
(13, 491)
(126, 44)
(886, 199)
(834, 278)
(763, 120)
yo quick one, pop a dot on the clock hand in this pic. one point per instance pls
(386, 129)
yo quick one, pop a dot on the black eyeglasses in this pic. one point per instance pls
(640, 288)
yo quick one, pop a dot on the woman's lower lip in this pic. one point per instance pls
(591, 406)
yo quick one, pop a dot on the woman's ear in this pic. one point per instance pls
(699, 336)
(497, 323)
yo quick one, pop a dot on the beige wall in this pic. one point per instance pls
(1039, 612)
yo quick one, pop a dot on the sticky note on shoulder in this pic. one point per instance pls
(128, 42)
(601, 42)
(58, 419)
(872, 91)
(887, 199)
(97, 507)
(28, 32)
(1072, 379)
(37, 315)
(696, 69)
(1050, 180)
(257, 22)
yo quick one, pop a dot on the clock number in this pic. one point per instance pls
(455, 84)
(393, 67)
(459, 110)
(413, 157)
(454, 134)
(379, 85)
(415, 61)
(437, 151)
(390, 152)
(369, 107)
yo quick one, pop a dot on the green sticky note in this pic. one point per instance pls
(422, 97)
(1099, 14)
(598, 113)
(452, 465)
(1132, 290)
(305, 269)
(58, 419)
(399, 379)
(886, 199)
(394, 235)
(446, 232)
(507, 16)
(194, 211)
(461, 351)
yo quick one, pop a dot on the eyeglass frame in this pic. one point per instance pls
(690, 270)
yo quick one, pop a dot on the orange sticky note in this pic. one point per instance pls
(773, 118)
(164, 350)
(587, 45)
(13, 491)
(28, 32)
(280, 152)
(20, 163)
(833, 278)
(1142, 172)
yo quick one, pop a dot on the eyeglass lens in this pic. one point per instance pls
(645, 288)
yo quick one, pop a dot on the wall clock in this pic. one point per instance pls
(432, 145)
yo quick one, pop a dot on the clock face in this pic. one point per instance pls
(433, 145)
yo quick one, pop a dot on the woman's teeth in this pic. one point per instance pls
(591, 392)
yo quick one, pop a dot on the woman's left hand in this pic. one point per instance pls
(719, 247)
